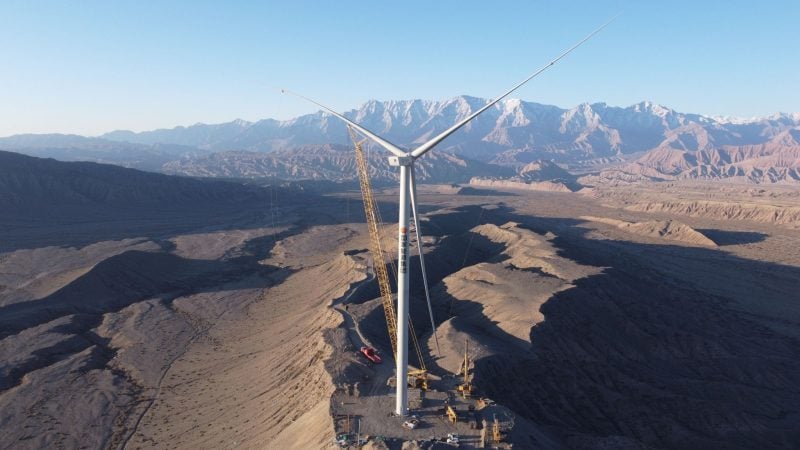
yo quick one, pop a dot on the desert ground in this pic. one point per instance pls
(661, 315)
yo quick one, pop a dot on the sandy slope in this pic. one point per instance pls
(508, 290)
(669, 345)
(669, 230)
(609, 336)
(494, 304)
(253, 381)
(36, 273)
(209, 348)
(546, 186)
(774, 205)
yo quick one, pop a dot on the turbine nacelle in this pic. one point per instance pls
(397, 161)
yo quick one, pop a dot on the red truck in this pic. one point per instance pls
(371, 354)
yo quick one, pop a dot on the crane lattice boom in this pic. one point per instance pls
(381, 273)
(379, 264)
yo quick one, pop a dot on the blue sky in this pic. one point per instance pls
(89, 67)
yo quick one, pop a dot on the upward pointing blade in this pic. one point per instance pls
(424, 148)
(422, 256)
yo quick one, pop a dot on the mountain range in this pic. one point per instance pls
(641, 141)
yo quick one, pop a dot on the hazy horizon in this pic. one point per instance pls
(356, 107)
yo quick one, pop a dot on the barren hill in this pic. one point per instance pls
(535, 176)
(25, 181)
(775, 161)
(670, 230)
(327, 162)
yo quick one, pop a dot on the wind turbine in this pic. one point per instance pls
(408, 197)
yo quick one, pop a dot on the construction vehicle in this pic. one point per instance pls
(417, 378)
(497, 435)
(483, 402)
(466, 387)
(371, 354)
(411, 423)
(343, 439)
(452, 415)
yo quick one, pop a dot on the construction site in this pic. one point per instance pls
(437, 417)
(429, 408)
(444, 408)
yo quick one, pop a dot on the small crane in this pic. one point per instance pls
(465, 388)
(497, 435)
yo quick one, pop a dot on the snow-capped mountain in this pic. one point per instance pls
(543, 131)
(644, 140)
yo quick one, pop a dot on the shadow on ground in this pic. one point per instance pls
(725, 237)
(636, 355)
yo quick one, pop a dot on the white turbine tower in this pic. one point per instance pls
(405, 160)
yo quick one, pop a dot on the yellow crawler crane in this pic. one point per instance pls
(416, 378)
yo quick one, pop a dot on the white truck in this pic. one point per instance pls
(411, 423)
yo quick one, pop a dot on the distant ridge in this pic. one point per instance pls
(644, 141)
(27, 181)
(775, 161)
(328, 162)
(587, 130)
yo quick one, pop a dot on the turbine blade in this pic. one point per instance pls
(422, 257)
(424, 148)
(378, 140)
